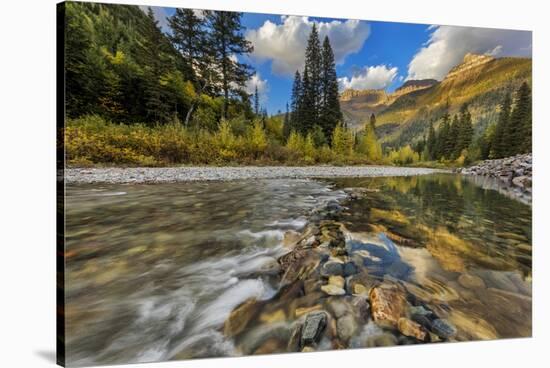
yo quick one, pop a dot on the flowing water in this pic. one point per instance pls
(153, 271)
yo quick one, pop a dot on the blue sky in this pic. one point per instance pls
(381, 55)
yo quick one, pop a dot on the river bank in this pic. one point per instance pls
(210, 173)
(516, 171)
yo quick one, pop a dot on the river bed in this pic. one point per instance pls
(154, 270)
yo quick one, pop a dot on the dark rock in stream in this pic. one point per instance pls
(332, 268)
(313, 328)
(443, 328)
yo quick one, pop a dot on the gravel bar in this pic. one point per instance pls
(182, 174)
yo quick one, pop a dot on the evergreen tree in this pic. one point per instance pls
(330, 113)
(313, 65)
(519, 129)
(154, 47)
(256, 101)
(307, 103)
(453, 147)
(499, 145)
(466, 131)
(431, 143)
(189, 38)
(296, 102)
(443, 138)
(226, 41)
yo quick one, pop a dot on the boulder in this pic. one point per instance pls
(388, 304)
(313, 328)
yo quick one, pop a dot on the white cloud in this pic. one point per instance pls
(448, 45)
(263, 87)
(285, 43)
(160, 15)
(369, 77)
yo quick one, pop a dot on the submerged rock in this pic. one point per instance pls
(332, 268)
(411, 329)
(346, 326)
(471, 281)
(240, 317)
(443, 328)
(313, 328)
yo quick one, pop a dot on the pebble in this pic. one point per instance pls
(118, 175)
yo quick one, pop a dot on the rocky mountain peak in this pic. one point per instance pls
(470, 61)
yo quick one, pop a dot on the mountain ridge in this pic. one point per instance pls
(479, 80)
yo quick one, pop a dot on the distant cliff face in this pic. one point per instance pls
(358, 105)
(481, 81)
(471, 63)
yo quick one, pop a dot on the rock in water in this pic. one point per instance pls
(443, 329)
(333, 290)
(350, 269)
(346, 327)
(240, 316)
(471, 281)
(313, 328)
(332, 268)
(411, 328)
(388, 304)
(337, 281)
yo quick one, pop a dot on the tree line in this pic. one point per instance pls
(454, 139)
(120, 65)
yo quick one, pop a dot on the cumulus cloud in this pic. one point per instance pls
(263, 87)
(369, 77)
(285, 43)
(447, 46)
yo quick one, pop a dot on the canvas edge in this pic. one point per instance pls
(60, 184)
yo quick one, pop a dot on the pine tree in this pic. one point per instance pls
(466, 131)
(313, 65)
(226, 41)
(307, 103)
(296, 102)
(499, 145)
(189, 38)
(256, 101)
(330, 113)
(154, 47)
(442, 148)
(431, 143)
(519, 129)
(453, 147)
